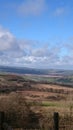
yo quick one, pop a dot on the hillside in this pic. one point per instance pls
(25, 70)
(28, 97)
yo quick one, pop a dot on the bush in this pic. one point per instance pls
(16, 110)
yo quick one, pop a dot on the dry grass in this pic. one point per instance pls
(18, 111)
(35, 108)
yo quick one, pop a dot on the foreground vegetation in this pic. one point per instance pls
(29, 104)
(22, 114)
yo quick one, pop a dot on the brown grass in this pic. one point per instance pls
(37, 102)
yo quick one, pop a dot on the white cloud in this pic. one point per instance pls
(23, 53)
(59, 11)
(32, 7)
(6, 39)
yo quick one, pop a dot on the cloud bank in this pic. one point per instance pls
(14, 52)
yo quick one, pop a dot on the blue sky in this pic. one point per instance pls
(36, 33)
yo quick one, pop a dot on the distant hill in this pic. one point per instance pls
(25, 70)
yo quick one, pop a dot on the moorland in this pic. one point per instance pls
(30, 99)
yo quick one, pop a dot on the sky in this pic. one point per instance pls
(36, 33)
